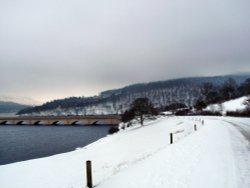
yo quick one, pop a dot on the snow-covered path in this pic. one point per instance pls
(217, 155)
(243, 125)
(243, 154)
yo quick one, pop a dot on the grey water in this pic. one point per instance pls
(25, 142)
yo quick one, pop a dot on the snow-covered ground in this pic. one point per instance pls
(232, 105)
(217, 155)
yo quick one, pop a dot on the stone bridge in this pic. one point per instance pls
(61, 120)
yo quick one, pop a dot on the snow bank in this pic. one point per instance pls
(142, 157)
(109, 155)
(206, 159)
(232, 105)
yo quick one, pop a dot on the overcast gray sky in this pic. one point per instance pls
(58, 48)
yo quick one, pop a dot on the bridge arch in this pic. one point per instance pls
(37, 123)
(20, 122)
(3, 123)
(74, 122)
(95, 122)
(55, 123)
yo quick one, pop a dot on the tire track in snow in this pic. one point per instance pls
(243, 131)
(241, 154)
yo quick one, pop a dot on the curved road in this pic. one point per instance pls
(242, 124)
(242, 127)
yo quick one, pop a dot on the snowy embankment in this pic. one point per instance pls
(232, 105)
(215, 156)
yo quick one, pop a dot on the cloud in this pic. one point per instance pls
(52, 49)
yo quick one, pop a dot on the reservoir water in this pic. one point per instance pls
(24, 142)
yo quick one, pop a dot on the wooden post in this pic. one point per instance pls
(171, 138)
(202, 122)
(195, 127)
(89, 174)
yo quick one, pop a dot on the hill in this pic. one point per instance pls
(11, 107)
(19, 100)
(161, 93)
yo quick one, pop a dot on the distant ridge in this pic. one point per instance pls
(161, 93)
(19, 100)
(11, 107)
(216, 80)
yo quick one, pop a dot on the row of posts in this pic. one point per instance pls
(195, 129)
(89, 165)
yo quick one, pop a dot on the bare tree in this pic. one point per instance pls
(247, 103)
(141, 107)
(229, 89)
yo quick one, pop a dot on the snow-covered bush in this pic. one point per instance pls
(113, 130)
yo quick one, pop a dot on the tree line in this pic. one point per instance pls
(212, 94)
(166, 95)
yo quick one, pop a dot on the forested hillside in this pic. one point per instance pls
(162, 93)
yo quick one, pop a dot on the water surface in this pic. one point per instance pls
(24, 142)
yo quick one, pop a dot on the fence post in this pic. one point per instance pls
(171, 138)
(195, 127)
(89, 174)
(202, 122)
